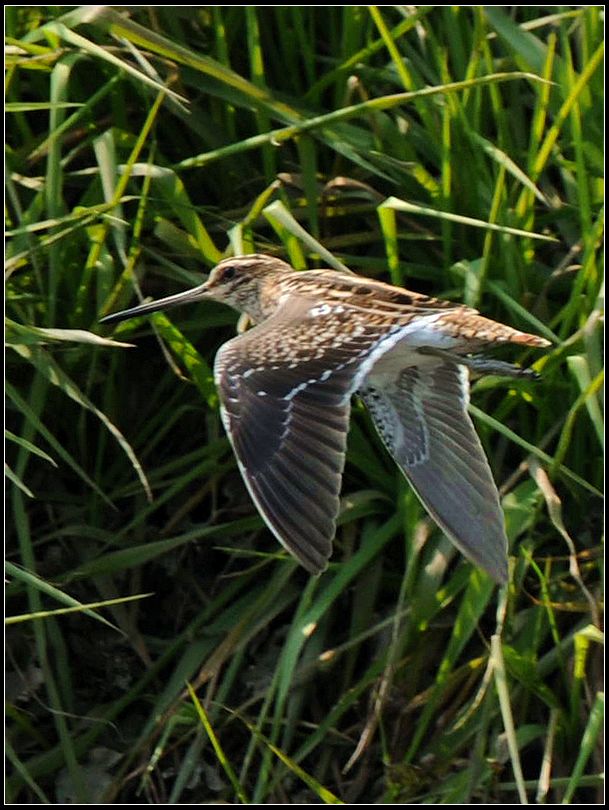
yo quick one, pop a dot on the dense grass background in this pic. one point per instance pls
(413, 144)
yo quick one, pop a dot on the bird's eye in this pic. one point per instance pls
(229, 273)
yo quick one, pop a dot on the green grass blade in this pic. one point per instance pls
(222, 759)
(45, 364)
(589, 741)
(411, 208)
(506, 712)
(326, 796)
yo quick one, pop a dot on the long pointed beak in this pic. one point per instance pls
(186, 297)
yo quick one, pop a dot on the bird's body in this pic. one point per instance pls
(285, 388)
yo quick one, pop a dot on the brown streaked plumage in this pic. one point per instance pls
(285, 388)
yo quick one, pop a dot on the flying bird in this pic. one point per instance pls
(285, 388)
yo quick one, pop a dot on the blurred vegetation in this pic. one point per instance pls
(414, 144)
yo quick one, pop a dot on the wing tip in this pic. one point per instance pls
(497, 571)
(312, 558)
(491, 557)
(313, 568)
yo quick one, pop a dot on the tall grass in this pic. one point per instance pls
(453, 150)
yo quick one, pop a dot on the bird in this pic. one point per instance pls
(321, 337)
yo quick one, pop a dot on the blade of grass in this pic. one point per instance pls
(48, 643)
(104, 55)
(121, 185)
(29, 446)
(84, 608)
(57, 446)
(278, 136)
(411, 208)
(45, 364)
(22, 770)
(531, 448)
(23, 335)
(479, 591)
(277, 212)
(326, 796)
(591, 736)
(507, 715)
(220, 755)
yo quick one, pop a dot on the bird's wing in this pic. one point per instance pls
(421, 415)
(285, 388)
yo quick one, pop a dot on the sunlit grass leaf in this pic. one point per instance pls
(580, 369)
(224, 762)
(25, 106)
(88, 608)
(24, 335)
(277, 212)
(33, 580)
(184, 350)
(104, 55)
(326, 796)
(504, 160)
(169, 184)
(411, 208)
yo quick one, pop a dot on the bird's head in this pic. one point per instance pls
(241, 282)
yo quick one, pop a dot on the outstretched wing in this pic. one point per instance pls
(285, 388)
(421, 415)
